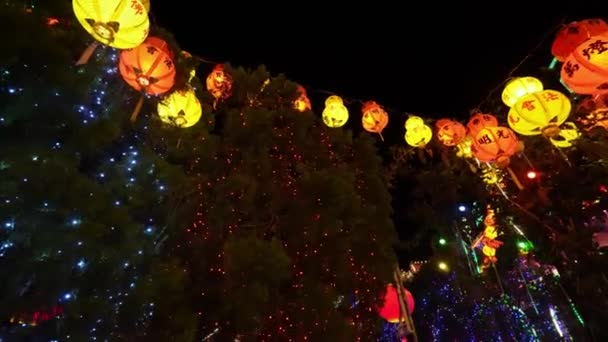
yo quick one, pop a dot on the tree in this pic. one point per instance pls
(293, 232)
(82, 197)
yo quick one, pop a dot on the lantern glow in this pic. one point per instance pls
(335, 113)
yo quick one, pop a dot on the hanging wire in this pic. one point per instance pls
(351, 100)
(532, 52)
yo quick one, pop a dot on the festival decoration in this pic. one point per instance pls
(181, 109)
(335, 113)
(567, 134)
(302, 103)
(146, 4)
(494, 144)
(121, 24)
(390, 310)
(374, 118)
(487, 240)
(463, 150)
(540, 113)
(417, 133)
(450, 132)
(479, 121)
(219, 84)
(518, 87)
(585, 71)
(148, 68)
(574, 34)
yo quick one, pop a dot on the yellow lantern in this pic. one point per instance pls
(121, 24)
(463, 150)
(335, 113)
(540, 113)
(417, 134)
(518, 87)
(181, 109)
(146, 4)
(566, 136)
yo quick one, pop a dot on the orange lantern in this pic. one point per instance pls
(374, 118)
(479, 121)
(450, 132)
(494, 144)
(390, 309)
(302, 103)
(570, 36)
(148, 68)
(219, 83)
(585, 71)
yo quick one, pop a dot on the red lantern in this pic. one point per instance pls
(585, 71)
(219, 83)
(374, 118)
(569, 37)
(479, 121)
(390, 308)
(495, 144)
(450, 132)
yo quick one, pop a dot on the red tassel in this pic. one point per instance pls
(87, 53)
(137, 109)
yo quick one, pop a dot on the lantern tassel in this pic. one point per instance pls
(87, 53)
(214, 104)
(381, 137)
(138, 106)
(515, 178)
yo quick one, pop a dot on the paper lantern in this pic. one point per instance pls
(450, 132)
(149, 67)
(413, 122)
(122, 24)
(494, 144)
(302, 103)
(479, 121)
(390, 308)
(219, 83)
(585, 71)
(146, 4)
(570, 36)
(518, 87)
(181, 109)
(419, 136)
(374, 119)
(540, 113)
(335, 113)
(566, 136)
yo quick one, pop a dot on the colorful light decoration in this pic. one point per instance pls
(585, 71)
(417, 133)
(302, 103)
(518, 87)
(121, 24)
(374, 119)
(574, 34)
(180, 109)
(495, 144)
(335, 113)
(487, 240)
(540, 113)
(450, 132)
(567, 135)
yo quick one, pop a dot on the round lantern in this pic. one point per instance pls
(181, 109)
(479, 121)
(302, 103)
(518, 87)
(413, 122)
(148, 68)
(494, 144)
(585, 71)
(219, 83)
(450, 132)
(390, 309)
(121, 24)
(419, 136)
(374, 118)
(540, 113)
(570, 36)
(335, 113)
